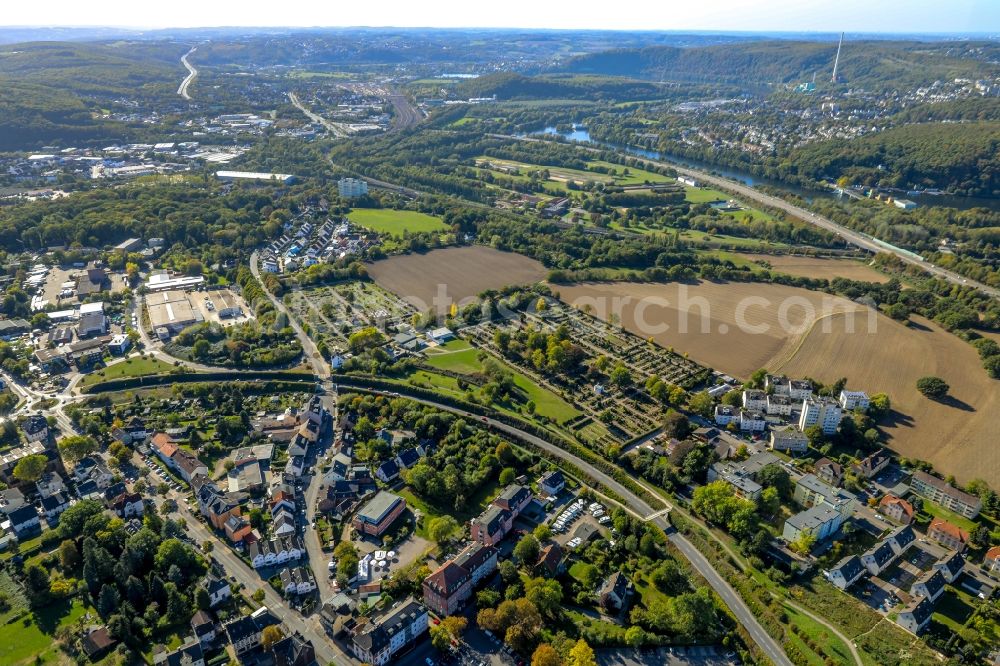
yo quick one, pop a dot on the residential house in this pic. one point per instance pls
(388, 471)
(846, 572)
(218, 590)
(788, 438)
(900, 539)
(128, 505)
(35, 428)
(872, 464)
(24, 521)
(217, 506)
(237, 528)
(407, 458)
(779, 405)
(725, 414)
(896, 509)
(513, 498)
(930, 585)
(292, 650)
(187, 465)
(379, 513)
(819, 521)
(274, 552)
(950, 566)
(776, 384)
(54, 505)
(878, 558)
(615, 591)
(244, 633)
(97, 643)
(800, 389)
(743, 475)
(550, 559)
(991, 562)
(936, 490)
(915, 615)
(297, 581)
(829, 471)
(948, 534)
(50, 483)
(552, 482)
(203, 627)
(378, 640)
(282, 522)
(810, 491)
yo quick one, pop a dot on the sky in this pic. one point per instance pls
(868, 16)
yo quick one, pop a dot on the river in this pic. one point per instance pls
(946, 200)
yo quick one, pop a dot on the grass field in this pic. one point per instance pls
(830, 644)
(130, 367)
(463, 361)
(454, 274)
(939, 511)
(817, 267)
(30, 639)
(395, 222)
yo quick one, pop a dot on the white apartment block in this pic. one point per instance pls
(754, 400)
(779, 405)
(851, 400)
(824, 412)
(350, 188)
(799, 389)
(788, 438)
(751, 421)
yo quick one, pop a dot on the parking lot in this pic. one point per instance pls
(215, 302)
(572, 516)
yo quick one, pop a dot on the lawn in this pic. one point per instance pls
(30, 639)
(953, 609)
(463, 361)
(472, 507)
(635, 176)
(130, 367)
(703, 195)
(547, 403)
(395, 222)
(938, 511)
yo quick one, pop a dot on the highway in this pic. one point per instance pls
(336, 129)
(192, 74)
(852, 237)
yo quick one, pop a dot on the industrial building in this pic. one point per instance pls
(283, 178)
(170, 312)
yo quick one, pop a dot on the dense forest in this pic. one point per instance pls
(870, 63)
(961, 158)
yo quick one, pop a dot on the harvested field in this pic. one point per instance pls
(703, 320)
(956, 436)
(816, 267)
(457, 273)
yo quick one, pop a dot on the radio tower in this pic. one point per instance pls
(836, 61)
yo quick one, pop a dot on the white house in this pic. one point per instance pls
(297, 580)
(799, 389)
(218, 590)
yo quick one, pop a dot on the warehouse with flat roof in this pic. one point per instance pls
(170, 312)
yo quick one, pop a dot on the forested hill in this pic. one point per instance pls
(872, 63)
(510, 86)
